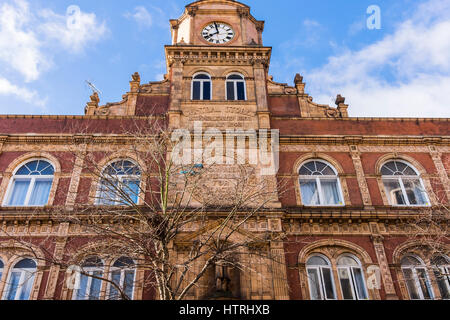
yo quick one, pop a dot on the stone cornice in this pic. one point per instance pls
(364, 140)
(187, 54)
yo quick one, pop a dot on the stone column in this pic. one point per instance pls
(280, 282)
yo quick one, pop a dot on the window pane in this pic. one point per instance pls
(81, 293)
(443, 282)
(26, 286)
(394, 192)
(201, 76)
(113, 292)
(317, 261)
(347, 261)
(230, 91)
(241, 91)
(196, 90)
(415, 192)
(328, 282)
(310, 194)
(19, 192)
(108, 192)
(314, 284)
(330, 192)
(129, 283)
(132, 189)
(206, 90)
(346, 285)
(424, 284)
(95, 286)
(411, 284)
(40, 193)
(13, 285)
(359, 279)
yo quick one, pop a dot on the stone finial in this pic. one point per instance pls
(95, 99)
(342, 107)
(192, 11)
(136, 77)
(340, 100)
(135, 82)
(92, 105)
(298, 79)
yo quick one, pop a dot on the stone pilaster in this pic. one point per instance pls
(443, 177)
(280, 282)
(76, 175)
(176, 94)
(259, 72)
(377, 241)
(362, 182)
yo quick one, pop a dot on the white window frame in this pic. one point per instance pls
(235, 82)
(202, 81)
(32, 180)
(122, 278)
(119, 179)
(319, 185)
(319, 270)
(414, 269)
(90, 272)
(352, 279)
(402, 185)
(23, 273)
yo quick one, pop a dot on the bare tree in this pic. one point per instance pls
(429, 230)
(184, 225)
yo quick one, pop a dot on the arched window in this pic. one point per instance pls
(123, 275)
(416, 277)
(320, 185)
(120, 184)
(351, 278)
(320, 278)
(441, 268)
(31, 184)
(21, 280)
(90, 284)
(403, 185)
(1, 269)
(201, 87)
(236, 88)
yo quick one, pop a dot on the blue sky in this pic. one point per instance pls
(403, 69)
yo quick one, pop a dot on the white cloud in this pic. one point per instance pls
(26, 38)
(141, 16)
(20, 47)
(24, 94)
(29, 40)
(146, 18)
(407, 73)
(74, 31)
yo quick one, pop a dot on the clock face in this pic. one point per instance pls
(218, 33)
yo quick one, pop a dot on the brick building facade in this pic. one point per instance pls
(352, 181)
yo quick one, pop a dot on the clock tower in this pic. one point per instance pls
(217, 67)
